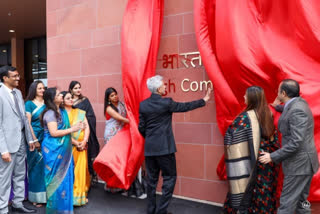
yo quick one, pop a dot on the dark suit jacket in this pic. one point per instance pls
(155, 123)
(298, 153)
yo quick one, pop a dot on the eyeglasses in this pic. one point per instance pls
(15, 76)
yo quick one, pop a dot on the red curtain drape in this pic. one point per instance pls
(260, 42)
(121, 158)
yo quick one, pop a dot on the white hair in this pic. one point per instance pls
(153, 83)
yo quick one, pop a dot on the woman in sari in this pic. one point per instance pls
(115, 113)
(34, 107)
(83, 103)
(252, 185)
(57, 154)
(79, 151)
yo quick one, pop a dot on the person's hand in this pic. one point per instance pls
(265, 157)
(31, 147)
(81, 146)
(276, 102)
(6, 157)
(126, 120)
(207, 97)
(37, 145)
(77, 127)
(83, 125)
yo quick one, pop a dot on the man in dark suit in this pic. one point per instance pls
(14, 133)
(155, 125)
(298, 153)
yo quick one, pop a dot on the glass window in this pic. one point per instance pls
(36, 60)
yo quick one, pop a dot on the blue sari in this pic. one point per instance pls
(36, 184)
(58, 160)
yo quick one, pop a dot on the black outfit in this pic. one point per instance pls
(93, 143)
(155, 125)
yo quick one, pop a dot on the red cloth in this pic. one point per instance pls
(120, 159)
(260, 42)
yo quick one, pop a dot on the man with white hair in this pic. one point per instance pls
(155, 125)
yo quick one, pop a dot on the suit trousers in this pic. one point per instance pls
(16, 169)
(167, 165)
(294, 194)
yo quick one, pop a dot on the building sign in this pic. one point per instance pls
(184, 60)
(188, 60)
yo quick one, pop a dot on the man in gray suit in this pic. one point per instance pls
(298, 153)
(14, 131)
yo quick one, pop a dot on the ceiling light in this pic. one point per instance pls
(4, 51)
(11, 31)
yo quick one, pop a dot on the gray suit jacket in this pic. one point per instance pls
(10, 126)
(298, 153)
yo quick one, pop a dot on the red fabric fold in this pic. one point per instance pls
(120, 159)
(260, 42)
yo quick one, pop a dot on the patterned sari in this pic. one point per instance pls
(252, 185)
(37, 187)
(57, 156)
(113, 125)
(81, 173)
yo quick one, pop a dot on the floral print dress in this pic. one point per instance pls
(113, 125)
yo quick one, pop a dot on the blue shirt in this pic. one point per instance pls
(289, 101)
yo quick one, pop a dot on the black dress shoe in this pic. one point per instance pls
(23, 210)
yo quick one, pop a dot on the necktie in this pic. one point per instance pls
(18, 108)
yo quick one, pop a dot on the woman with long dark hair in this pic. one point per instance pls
(252, 185)
(57, 153)
(34, 107)
(83, 103)
(79, 141)
(115, 113)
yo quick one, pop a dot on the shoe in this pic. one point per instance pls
(304, 207)
(144, 196)
(23, 210)
(125, 193)
(94, 180)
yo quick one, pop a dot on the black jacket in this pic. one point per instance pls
(155, 123)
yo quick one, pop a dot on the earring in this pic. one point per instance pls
(109, 102)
